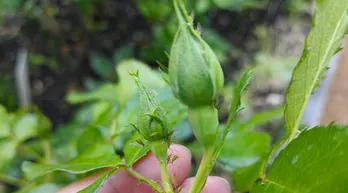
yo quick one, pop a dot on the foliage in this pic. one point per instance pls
(321, 43)
(309, 163)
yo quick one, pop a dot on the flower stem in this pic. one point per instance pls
(165, 177)
(12, 180)
(153, 184)
(203, 171)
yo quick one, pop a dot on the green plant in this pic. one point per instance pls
(110, 125)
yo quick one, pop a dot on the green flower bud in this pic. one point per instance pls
(195, 73)
(152, 120)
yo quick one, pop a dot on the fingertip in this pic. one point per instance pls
(214, 184)
(178, 170)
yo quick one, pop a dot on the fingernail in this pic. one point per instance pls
(186, 149)
(227, 184)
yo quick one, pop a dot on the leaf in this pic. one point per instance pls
(244, 149)
(176, 113)
(8, 151)
(262, 118)
(36, 59)
(9, 5)
(243, 154)
(89, 138)
(45, 188)
(244, 178)
(182, 131)
(126, 87)
(26, 127)
(316, 161)
(31, 125)
(199, 7)
(133, 151)
(329, 25)
(96, 185)
(101, 156)
(122, 53)
(102, 66)
(239, 4)
(237, 94)
(106, 92)
(91, 113)
(154, 10)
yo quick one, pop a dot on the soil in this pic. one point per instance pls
(68, 43)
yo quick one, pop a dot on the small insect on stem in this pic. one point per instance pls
(171, 159)
(138, 141)
(199, 29)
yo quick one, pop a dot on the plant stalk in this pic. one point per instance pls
(203, 171)
(12, 180)
(165, 177)
(153, 184)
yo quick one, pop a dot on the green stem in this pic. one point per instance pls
(11, 180)
(31, 152)
(47, 157)
(165, 177)
(181, 11)
(203, 171)
(153, 184)
(47, 150)
(220, 145)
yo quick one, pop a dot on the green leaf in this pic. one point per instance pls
(106, 92)
(176, 111)
(244, 149)
(8, 151)
(244, 178)
(26, 127)
(102, 66)
(91, 113)
(126, 87)
(9, 5)
(329, 25)
(36, 59)
(316, 161)
(133, 151)
(96, 185)
(101, 156)
(31, 125)
(199, 6)
(154, 10)
(122, 53)
(262, 118)
(237, 94)
(182, 131)
(239, 4)
(89, 138)
(45, 188)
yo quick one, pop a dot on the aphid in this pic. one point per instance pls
(140, 142)
(173, 180)
(174, 158)
(199, 29)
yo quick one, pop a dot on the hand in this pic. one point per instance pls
(122, 182)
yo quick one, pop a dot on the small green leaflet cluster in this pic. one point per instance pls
(329, 25)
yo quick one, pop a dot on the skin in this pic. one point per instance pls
(122, 182)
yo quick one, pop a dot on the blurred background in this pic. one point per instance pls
(68, 60)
